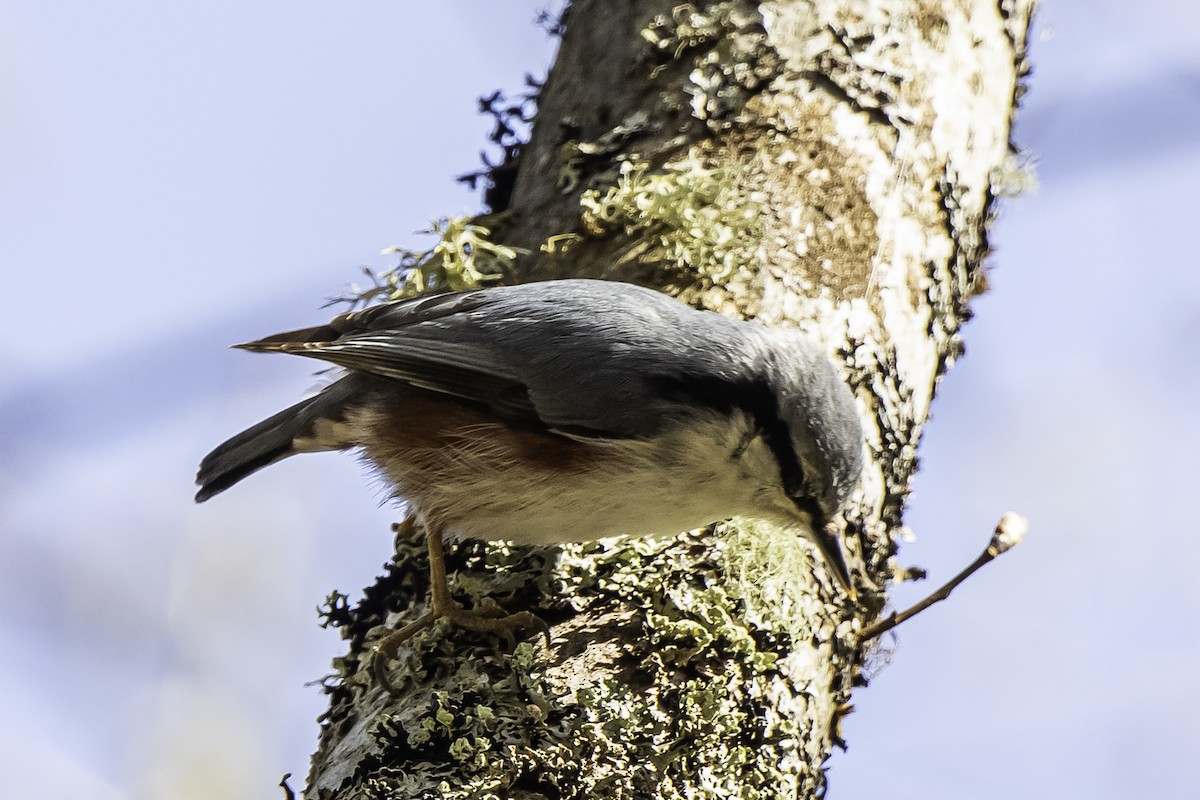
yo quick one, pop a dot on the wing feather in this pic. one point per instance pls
(572, 356)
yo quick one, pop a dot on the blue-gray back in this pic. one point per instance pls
(583, 355)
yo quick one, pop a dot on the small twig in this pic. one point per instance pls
(1007, 535)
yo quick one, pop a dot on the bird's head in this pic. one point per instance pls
(822, 463)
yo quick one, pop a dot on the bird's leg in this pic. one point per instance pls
(439, 585)
(441, 604)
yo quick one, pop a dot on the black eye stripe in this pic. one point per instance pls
(755, 398)
(790, 472)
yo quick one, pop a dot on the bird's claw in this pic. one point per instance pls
(485, 620)
(506, 624)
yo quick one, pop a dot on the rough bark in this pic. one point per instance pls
(827, 164)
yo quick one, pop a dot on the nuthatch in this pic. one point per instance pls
(569, 411)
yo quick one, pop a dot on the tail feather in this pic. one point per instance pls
(274, 438)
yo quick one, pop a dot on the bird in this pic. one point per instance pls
(566, 411)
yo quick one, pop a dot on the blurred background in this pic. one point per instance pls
(175, 177)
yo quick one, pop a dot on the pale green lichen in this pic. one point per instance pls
(463, 258)
(694, 708)
(695, 217)
(768, 569)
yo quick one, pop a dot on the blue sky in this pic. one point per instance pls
(179, 177)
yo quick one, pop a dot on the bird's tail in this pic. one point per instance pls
(310, 425)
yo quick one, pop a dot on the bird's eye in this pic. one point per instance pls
(807, 504)
(793, 486)
(793, 480)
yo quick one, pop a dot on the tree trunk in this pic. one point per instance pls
(827, 164)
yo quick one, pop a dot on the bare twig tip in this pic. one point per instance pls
(1008, 534)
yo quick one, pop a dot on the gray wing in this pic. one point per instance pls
(589, 357)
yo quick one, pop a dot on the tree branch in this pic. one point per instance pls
(1008, 534)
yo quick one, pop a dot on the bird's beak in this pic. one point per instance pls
(828, 542)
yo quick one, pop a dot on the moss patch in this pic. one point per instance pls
(463, 257)
(695, 216)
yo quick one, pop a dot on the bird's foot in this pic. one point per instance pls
(483, 620)
(494, 620)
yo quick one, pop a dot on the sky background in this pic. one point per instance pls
(176, 177)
